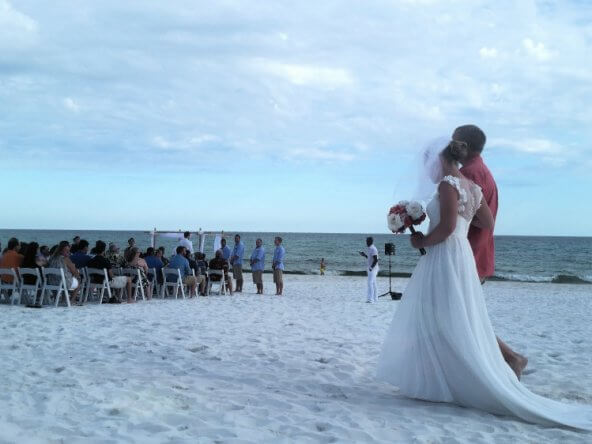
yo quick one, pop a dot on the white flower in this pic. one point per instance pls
(414, 209)
(394, 221)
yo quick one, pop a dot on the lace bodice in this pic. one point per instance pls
(469, 201)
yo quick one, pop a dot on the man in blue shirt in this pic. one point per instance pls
(154, 261)
(236, 260)
(81, 257)
(180, 262)
(278, 266)
(225, 250)
(258, 264)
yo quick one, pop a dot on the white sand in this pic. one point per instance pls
(265, 369)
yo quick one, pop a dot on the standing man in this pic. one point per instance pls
(481, 240)
(225, 250)
(372, 256)
(258, 264)
(236, 260)
(278, 266)
(185, 242)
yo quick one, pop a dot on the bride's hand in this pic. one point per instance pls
(417, 240)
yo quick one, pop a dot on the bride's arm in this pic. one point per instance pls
(448, 215)
(483, 217)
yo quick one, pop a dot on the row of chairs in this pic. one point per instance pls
(47, 288)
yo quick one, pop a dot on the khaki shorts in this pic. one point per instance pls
(237, 272)
(257, 277)
(278, 277)
(118, 282)
(189, 281)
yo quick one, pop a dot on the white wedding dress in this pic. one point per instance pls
(441, 345)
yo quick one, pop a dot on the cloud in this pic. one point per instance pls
(488, 53)
(537, 50)
(71, 104)
(17, 29)
(318, 154)
(530, 146)
(306, 75)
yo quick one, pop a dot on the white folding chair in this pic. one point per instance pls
(54, 279)
(153, 278)
(136, 275)
(100, 286)
(28, 289)
(176, 284)
(212, 283)
(11, 288)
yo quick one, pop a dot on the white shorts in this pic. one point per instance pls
(118, 282)
(74, 284)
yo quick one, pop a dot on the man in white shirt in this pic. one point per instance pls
(372, 256)
(185, 242)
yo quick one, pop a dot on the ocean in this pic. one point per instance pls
(518, 258)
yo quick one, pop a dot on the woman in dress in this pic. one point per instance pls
(134, 260)
(61, 259)
(441, 346)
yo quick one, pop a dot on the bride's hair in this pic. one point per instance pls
(456, 151)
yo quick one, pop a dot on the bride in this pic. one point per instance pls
(441, 346)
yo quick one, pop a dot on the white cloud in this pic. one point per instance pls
(313, 75)
(488, 53)
(530, 145)
(71, 104)
(537, 50)
(17, 29)
(318, 154)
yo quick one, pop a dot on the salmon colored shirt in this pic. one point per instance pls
(482, 240)
(10, 259)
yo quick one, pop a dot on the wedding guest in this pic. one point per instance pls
(81, 257)
(323, 266)
(22, 248)
(202, 270)
(199, 278)
(99, 261)
(180, 262)
(133, 260)
(225, 249)
(113, 255)
(186, 242)
(258, 264)
(219, 263)
(481, 239)
(11, 259)
(236, 260)
(31, 260)
(278, 266)
(61, 259)
(44, 255)
(154, 261)
(131, 243)
(75, 242)
(162, 256)
(372, 256)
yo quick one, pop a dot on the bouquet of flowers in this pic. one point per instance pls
(404, 215)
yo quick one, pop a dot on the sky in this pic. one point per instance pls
(286, 116)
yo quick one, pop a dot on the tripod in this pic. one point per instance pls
(395, 295)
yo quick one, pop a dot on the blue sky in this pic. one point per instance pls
(286, 116)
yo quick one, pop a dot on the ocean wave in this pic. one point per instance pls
(557, 279)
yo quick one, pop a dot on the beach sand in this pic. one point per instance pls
(248, 368)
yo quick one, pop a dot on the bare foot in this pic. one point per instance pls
(518, 364)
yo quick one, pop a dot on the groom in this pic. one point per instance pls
(482, 240)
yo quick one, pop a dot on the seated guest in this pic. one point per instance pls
(155, 262)
(74, 246)
(218, 263)
(11, 259)
(100, 262)
(131, 243)
(113, 256)
(31, 260)
(81, 257)
(43, 255)
(201, 269)
(193, 265)
(162, 256)
(133, 260)
(180, 262)
(61, 259)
